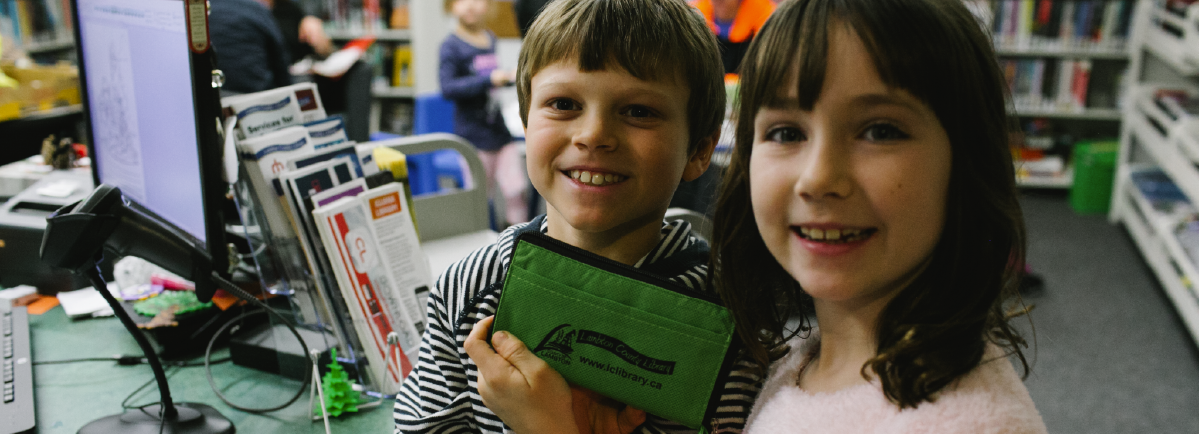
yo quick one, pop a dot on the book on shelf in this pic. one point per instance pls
(1059, 25)
(36, 21)
(366, 15)
(1062, 85)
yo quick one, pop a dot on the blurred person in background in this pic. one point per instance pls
(735, 22)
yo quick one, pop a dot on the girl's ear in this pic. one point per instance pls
(700, 159)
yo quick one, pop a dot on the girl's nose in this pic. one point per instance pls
(824, 170)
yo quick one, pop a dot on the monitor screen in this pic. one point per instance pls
(138, 78)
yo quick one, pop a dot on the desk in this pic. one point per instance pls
(67, 396)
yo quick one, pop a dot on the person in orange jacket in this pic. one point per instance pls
(735, 22)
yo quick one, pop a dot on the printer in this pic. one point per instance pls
(22, 221)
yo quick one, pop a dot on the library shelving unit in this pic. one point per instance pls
(383, 91)
(1063, 61)
(1157, 186)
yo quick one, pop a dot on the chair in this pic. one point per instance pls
(455, 223)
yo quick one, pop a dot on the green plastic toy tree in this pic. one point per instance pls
(340, 396)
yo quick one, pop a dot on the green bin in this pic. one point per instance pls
(1094, 166)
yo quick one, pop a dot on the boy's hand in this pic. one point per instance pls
(530, 396)
(525, 392)
(599, 414)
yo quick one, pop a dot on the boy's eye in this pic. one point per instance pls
(564, 104)
(882, 132)
(785, 135)
(638, 111)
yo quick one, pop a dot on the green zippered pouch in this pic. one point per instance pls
(617, 330)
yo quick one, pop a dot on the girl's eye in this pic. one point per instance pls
(785, 135)
(563, 104)
(883, 132)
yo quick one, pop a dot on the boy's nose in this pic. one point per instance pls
(595, 133)
(825, 171)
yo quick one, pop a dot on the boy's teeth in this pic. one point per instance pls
(816, 234)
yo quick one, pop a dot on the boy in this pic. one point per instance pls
(621, 99)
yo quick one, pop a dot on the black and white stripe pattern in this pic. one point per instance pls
(441, 394)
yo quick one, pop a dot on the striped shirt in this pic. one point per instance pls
(441, 394)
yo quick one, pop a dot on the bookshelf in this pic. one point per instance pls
(1064, 62)
(392, 97)
(1157, 185)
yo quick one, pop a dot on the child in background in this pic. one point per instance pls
(468, 71)
(871, 184)
(621, 100)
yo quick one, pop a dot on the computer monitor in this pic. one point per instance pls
(152, 114)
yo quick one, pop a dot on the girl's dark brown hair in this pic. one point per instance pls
(937, 328)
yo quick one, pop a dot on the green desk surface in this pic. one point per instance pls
(68, 396)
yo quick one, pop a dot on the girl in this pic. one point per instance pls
(871, 186)
(468, 71)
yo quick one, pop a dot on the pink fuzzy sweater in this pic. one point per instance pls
(988, 400)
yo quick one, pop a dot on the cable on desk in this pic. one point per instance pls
(128, 360)
(237, 291)
(120, 359)
(125, 402)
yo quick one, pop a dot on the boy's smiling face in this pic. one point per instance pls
(607, 151)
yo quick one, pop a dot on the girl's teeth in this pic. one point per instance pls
(595, 178)
(832, 235)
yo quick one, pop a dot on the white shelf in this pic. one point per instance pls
(1166, 153)
(382, 35)
(1183, 297)
(390, 92)
(60, 44)
(1176, 51)
(1069, 53)
(1163, 225)
(1147, 131)
(1091, 114)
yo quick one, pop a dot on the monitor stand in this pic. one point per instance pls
(190, 418)
(162, 417)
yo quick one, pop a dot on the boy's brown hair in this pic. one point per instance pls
(650, 39)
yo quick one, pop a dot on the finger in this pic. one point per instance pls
(490, 364)
(629, 419)
(518, 355)
(581, 407)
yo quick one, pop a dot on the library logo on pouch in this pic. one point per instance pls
(560, 343)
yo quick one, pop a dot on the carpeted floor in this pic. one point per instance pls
(1112, 355)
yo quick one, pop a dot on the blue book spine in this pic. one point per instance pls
(1081, 19)
(16, 19)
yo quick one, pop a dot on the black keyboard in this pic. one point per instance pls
(16, 411)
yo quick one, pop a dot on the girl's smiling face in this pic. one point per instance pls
(850, 197)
